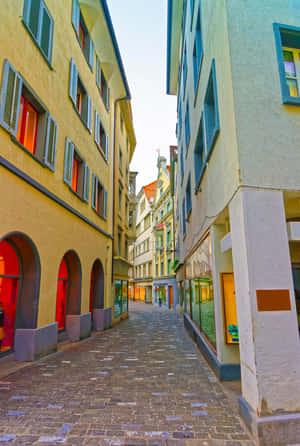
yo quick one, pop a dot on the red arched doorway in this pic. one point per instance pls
(9, 287)
(62, 295)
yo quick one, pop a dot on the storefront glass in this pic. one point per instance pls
(118, 298)
(124, 296)
(199, 280)
(187, 300)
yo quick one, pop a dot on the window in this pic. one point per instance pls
(81, 100)
(143, 205)
(82, 34)
(169, 239)
(287, 40)
(184, 69)
(130, 219)
(120, 198)
(169, 263)
(198, 51)
(119, 243)
(121, 123)
(39, 23)
(199, 155)
(127, 144)
(168, 207)
(192, 4)
(181, 164)
(76, 172)
(156, 269)
(188, 198)
(99, 198)
(102, 84)
(126, 208)
(147, 223)
(161, 214)
(24, 116)
(187, 128)
(126, 248)
(211, 112)
(183, 218)
(101, 137)
(179, 122)
(120, 160)
(162, 268)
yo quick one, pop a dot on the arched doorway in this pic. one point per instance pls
(97, 295)
(68, 298)
(19, 287)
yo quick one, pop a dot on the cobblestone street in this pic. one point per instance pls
(143, 382)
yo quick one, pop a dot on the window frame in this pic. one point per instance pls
(198, 45)
(97, 129)
(101, 83)
(95, 198)
(77, 21)
(200, 172)
(70, 151)
(74, 80)
(187, 129)
(291, 32)
(212, 133)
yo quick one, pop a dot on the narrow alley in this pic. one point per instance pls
(142, 383)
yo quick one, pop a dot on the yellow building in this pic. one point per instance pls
(62, 79)
(164, 281)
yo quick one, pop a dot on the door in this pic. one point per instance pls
(230, 313)
(171, 297)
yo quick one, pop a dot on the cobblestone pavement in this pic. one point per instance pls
(141, 383)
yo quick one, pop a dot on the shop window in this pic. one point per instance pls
(296, 278)
(287, 40)
(39, 23)
(101, 137)
(99, 198)
(76, 172)
(81, 100)
(82, 34)
(24, 116)
(102, 84)
(124, 296)
(230, 311)
(9, 286)
(199, 156)
(188, 194)
(118, 298)
(187, 128)
(211, 112)
(197, 52)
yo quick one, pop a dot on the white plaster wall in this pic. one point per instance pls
(147, 256)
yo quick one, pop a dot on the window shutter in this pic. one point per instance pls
(97, 129)
(98, 72)
(68, 167)
(73, 82)
(50, 146)
(107, 148)
(76, 16)
(86, 186)
(89, 114)
(26, 9)
(94, 192)
(10, 98)
(105, 204)
(108, 99)
(33, 18)
(46, 33)
(91, 54)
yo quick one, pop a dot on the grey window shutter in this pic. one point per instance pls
(68, 167)
(107, 148)
(94, 192)
(50, 145)
(89, 114)
(108, 99)
(98, 72)
(73, 82)
(86, 186)
(76, 15)
(34, 18)
(46, 35)
(91, 54)
(105, 204)
(97, 129)
(10, 98)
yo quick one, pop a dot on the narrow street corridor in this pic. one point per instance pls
(143, 382)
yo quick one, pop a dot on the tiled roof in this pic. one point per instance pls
(149, 190)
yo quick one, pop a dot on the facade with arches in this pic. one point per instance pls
(58, 133)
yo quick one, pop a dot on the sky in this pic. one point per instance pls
(141, 30)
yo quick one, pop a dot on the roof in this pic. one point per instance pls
(149, 190)
(175, 15)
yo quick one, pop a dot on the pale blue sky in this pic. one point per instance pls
(141, 29)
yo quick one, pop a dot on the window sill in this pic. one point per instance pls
(77, 195)
(15, 141)
(80, 117)
(290, 100)
(99, 215)
(37, 46)
(106, 107)
(101, 153)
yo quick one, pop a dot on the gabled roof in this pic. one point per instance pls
(149, 190)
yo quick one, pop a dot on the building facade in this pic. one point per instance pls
(143, 246)
(164, 280)
(57, 114)
(239, 196)
(124, 207)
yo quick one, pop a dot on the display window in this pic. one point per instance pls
(296, 277)
(124, 296)
(62, 295)
(118, 298)
(9, 286)
(230, 312)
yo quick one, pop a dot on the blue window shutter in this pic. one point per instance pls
(46, 32)
(50, 145)
(10, 98)
(76, 16)
(91, 54)
(105, 204)
(26, 10)
(107, 148)
(68, 167)
(97, 129)
(73, 82)
(86, 185)
(90, 115)
(94, 192)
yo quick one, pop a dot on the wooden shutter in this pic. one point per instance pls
(46, 32)
(89, 122)
(86, 184)
(76, 16)
(10, 98)
(107, 148)
(97, 129)
(50, 145)
(91, 54)
(105, 196)
(68, 166)
(94, 192)
(73, 82)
